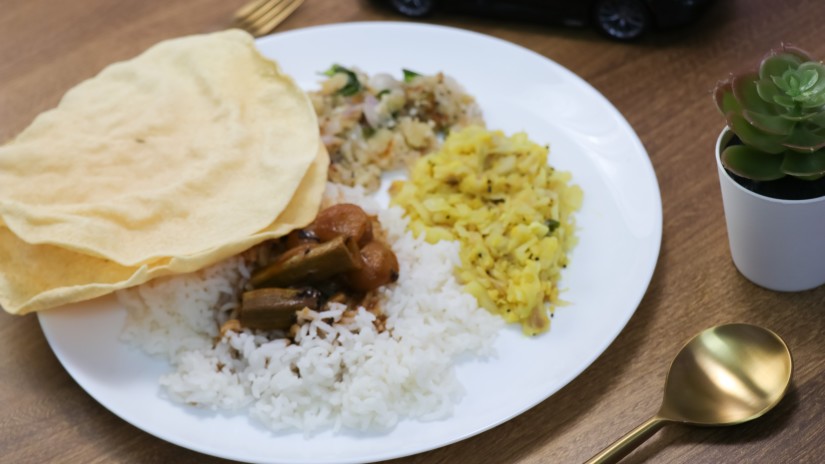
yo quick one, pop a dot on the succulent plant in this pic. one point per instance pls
(778, 113)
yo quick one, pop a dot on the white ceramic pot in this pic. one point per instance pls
(776, 244)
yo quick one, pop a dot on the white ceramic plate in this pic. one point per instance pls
(620, 234)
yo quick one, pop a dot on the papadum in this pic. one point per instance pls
(36, 277)
(194, 151)
(196, 143)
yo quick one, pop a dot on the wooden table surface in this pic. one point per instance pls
(662, 85)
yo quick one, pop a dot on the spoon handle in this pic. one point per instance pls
(621, 447)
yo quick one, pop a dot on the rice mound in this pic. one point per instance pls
(333, 376)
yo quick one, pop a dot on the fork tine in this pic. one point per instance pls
(263, 12)
(247, 9)
(274, 16)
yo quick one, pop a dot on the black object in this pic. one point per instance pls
(617, 19)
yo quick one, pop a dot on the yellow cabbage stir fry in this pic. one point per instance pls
(511, 212)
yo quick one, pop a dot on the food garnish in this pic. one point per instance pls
(352, 86)
(511, 212)
(409, 75)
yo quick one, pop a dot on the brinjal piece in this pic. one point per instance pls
(274, 308)
(309, 263)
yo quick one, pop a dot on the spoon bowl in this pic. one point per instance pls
(725, 375)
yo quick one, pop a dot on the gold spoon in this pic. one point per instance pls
(726, 375)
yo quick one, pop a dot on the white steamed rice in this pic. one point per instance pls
(333, 375)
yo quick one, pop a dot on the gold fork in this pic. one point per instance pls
(260, 17)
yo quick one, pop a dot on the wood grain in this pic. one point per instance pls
(662, 85)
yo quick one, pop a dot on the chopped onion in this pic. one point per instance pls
(383, 81)
(371, 110)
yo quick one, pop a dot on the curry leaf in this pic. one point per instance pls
(409, 75)
(353, 85)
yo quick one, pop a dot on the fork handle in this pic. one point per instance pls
(623, 446)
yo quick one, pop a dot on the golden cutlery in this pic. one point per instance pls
(260, 17)
(725, 375)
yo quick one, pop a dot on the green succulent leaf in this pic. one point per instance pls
(745, 91)
(805, 80)
(769, 123)
(809, 79)
(788, 83)
(798, 52)
(814, 102)
(754, 137)
(803, 164)
(816, 66)
(769, 92)
(816, 84)
(788, 102)
(748, 162)
(725, 101)
(813, 177)
(805, 140)
(816, 119)
(799, 83)
(797, 117)
(805, 86)
(777, 64)
(813, 96)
